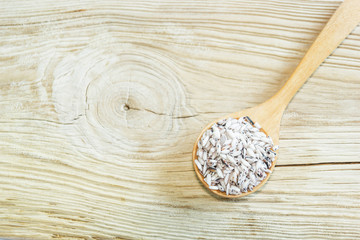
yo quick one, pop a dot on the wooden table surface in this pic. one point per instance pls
(101, 102)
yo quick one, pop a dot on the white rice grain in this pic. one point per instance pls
(235, 155)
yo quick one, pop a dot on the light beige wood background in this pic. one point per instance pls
(101, 102)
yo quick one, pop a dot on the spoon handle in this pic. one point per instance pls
(340, 25)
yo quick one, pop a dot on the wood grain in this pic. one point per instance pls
(101, 102)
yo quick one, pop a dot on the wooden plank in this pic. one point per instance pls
(100, 103)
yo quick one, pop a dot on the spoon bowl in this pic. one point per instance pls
(256, 114)
(269, 113)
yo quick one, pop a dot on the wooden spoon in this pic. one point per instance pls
(269, 113)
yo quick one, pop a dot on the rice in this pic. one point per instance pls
(234, 155)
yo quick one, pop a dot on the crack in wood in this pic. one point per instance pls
(316, 164)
